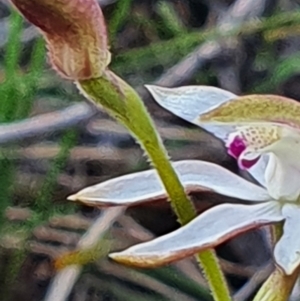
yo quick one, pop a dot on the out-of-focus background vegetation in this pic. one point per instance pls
(52, 143)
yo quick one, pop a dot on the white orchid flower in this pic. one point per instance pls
(263, 134)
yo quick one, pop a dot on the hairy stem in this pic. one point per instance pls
(123, 103)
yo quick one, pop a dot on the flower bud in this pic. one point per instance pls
(75, 33)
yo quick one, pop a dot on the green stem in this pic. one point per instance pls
(211, 268)
(123, 103)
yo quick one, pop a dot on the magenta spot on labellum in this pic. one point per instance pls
(236, 147)
(245, 164)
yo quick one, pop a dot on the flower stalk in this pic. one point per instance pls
(126, 106)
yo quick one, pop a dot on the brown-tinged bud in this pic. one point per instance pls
(75, 32)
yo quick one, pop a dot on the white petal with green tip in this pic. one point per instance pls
(287, 250)
(206, 231)
(146, 186)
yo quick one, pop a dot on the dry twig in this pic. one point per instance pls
(249, 288)
(64, 280)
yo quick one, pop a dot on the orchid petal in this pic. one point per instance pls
(146, 186)
(206, 231)
(287, 250)
(255, 109)
(190, 101)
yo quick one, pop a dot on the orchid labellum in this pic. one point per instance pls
(263, 133)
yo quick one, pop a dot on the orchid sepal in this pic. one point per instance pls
(206, 231)
(145, 186)
(188, 102)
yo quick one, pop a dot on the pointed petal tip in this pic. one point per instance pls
(113, 256)
(146, 261)
(120, 257)
(149, 87)
(157, 91)
(72, 197)
(85, 200)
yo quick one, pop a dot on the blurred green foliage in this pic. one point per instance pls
(17, 93)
